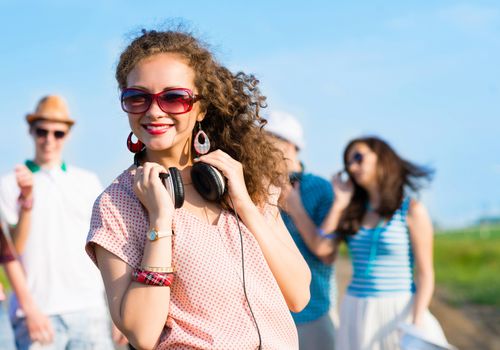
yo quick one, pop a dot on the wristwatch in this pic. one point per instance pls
(155, 235)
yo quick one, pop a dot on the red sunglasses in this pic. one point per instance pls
(172, 101)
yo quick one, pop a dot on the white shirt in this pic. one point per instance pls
(60, 276)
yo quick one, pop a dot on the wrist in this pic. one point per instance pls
(244, 208)
(25, 202)
(339, 206)
(160, 222)
(28, 307)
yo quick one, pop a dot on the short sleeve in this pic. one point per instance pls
(6, 249)
(9, 192)
(119, 225)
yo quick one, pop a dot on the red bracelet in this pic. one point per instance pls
(152, 278)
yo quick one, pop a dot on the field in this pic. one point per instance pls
(467, 265)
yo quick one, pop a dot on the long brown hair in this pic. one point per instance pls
(396, 177)
(232, 103)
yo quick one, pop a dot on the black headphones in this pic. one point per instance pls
(207, 180)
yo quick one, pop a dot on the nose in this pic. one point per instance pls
(352, 165)
(154, 109)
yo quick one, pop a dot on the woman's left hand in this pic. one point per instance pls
(232, 170)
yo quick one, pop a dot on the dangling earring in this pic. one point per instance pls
(134, 147)
(201, 142)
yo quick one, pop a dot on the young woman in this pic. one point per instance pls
(388, 234)
(199, 276)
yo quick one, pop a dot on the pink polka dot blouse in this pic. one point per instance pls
(208, 309)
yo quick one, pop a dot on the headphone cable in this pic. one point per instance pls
(243, 273)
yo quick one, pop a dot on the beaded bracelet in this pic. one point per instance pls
(168, 269)
(25, 204)
(323, 234)
(152, 278)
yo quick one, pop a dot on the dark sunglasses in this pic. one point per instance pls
(356, 158)
(58, 134)
(172, 101)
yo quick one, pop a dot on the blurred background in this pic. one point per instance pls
(423, 75)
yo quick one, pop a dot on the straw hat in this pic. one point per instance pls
(52, 108)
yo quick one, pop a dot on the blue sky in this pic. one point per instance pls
(424, 75)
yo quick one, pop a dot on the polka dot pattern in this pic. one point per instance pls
(208, 309)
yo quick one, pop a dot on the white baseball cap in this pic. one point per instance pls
(285, 126)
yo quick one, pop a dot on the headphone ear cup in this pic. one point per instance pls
(208, 181)
(177, 186)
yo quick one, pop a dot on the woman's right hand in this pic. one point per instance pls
(150, 190)
(343, 190)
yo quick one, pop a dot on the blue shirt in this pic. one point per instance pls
(317, 198)
(382, 258)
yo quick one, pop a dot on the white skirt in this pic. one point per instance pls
(372, 323)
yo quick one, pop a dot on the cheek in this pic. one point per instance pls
(371, 168)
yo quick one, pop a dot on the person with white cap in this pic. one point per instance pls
(54, 201)
(306, 202)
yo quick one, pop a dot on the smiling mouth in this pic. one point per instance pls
(157, 129)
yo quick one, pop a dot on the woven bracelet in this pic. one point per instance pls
(152, 278)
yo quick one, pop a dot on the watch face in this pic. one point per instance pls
(152, 235)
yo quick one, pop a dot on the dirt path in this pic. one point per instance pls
(468, 327)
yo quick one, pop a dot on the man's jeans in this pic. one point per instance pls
(82, 330)
(7, 341)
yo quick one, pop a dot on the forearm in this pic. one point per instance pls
(138, 310)
(320, 246)
(423, 296)
(17, 279)
(21, 232)
(282, 256)
(144, 308)
(144, 312)
(332, 218)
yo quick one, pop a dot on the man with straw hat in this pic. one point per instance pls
(55, 202)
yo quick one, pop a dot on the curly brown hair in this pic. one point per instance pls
(232, 103)
(396, 178)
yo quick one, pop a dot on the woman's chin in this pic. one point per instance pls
(158, 146)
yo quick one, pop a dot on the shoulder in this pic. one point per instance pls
(7, 178)
(81, 173)
(417, 214)
(118, 222)
(119, 193)
(316, 190)
(8, 185)
(316, 181)
(416, 208)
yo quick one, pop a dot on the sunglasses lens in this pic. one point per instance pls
(358, 158)
(41, 132)
(135, 101)
(59, 134)
(176, 101)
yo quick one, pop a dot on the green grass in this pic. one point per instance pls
(3, 280)
(467, 264)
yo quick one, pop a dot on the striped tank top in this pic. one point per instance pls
(382, 258)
